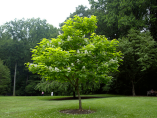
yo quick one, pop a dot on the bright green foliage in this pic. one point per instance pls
(81, 11)
(4, 79)
(74, 58)
(72, 55)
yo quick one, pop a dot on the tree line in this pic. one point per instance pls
(132, 23)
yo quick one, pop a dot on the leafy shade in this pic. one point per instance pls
(4, 79)
(56, 87)
(74, 58)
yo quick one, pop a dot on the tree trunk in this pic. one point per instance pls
(27, 80)
(74, 95)
(133, 89)
(14, 80)
(80, 104)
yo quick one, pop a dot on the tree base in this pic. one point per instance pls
(77, 111)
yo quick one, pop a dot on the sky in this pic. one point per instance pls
(54, 11)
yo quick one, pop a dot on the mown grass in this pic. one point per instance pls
(109, 107)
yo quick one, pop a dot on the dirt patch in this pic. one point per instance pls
(77, 111)
(76, 98)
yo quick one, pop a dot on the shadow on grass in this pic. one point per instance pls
(76, 98)
(59, 98)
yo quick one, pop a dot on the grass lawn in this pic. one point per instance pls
(110, 107)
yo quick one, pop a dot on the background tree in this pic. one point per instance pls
(102, 9)
(139, 55)
(5, 79)
(117, 17)
(16, 39)
(76, 59)
(107, 14)
(151, 17)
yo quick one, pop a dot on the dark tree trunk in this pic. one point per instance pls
(27, 79)
(74, 96)
(14, 80)
(133, 89)
(74, 93)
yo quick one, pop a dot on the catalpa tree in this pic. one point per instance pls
(76, 59)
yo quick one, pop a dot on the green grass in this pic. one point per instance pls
(110, 107)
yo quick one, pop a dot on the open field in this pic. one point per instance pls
(109, 107)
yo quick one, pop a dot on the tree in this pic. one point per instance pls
(107, 25)
(117, 17)
(10, 54)
(139, 55)
(5, 79)
(151, 17)
(16, 39)
(83, 11)
(74, 58)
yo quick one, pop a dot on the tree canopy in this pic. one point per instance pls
(139, 55)
(74, 58)
(117, 17)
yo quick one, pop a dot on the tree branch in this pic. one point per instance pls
(70, 81)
